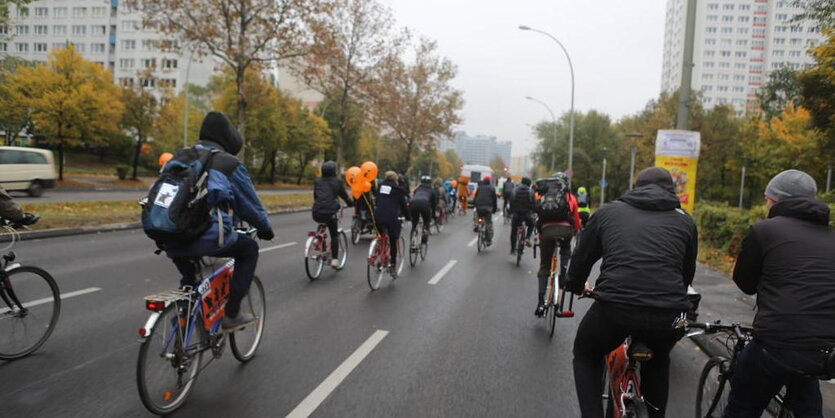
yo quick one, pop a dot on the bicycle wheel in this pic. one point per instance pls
(554, 309)
(375, 269)
(355, 232)
(314, 260)
(424, 245)
(520, 247)
(439, 223)
(414, 246)
(245, 341)
(636, 408)
(480, 240)
(30, 309)
(401, 244)
(713, 389)
(169, 362)
(343, 250)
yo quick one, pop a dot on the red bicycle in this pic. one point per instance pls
(317, 250)
(379, 259)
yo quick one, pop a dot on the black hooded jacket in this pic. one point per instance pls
(648, 245)
(788, 261)
(326, 192)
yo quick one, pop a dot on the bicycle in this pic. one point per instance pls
(32, 302)
(506, 215)
(379, 259)
(554, 302)
(317, 250)
(521, 233)
(439, 221)
(183, 326)
(418, 245)
(717, 374)
(481, 231)
(621, 383)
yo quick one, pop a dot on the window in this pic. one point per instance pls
(41, 30)
(707, 76)
(779, 29)
(59, 45)
(724, 53)
(128, 44)
(59, 12)
(742, 30)
(743, 7)
(4, 47)
(21, 30)
(726, 42)
(712, 18)
(98, 30)
(741, 54)
(758, 31)
(727, 18)
(710, 29)
(814, 29)
(758, 42)
(168, 82)
(99, 11)
(22, 12)
(779, 41)
(710, 53)
(741, 42)
(79, 30)
(148, 45)
(759, 19)
(169, 64)
(97, 48)
(126, 63)
(796, 41)
(713, 6)
(728, 6)
(126, 82)
(40, 47)
(129, 25)
(743, 19)
(79, 11)
(21, 47)
(710, 41)
(739, 77)
(724, 65)
(728, 30)
(782, 16)
(707, 88)
(79, 47)
(59, 30)
(147, 82)
(709, 64)
(41, 12)
(739, 66)
(794, 54)
(4, 30)
(149, 63)
(739, 89)
(722, 88)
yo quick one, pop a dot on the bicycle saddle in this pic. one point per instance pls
(639, 351)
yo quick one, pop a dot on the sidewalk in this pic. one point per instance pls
(722, 300)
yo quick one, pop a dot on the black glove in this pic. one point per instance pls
(495, 210)
(29, 219)
(266, 235)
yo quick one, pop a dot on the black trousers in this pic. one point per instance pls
(245, 253)
(421, 212)
(604, 328)
(333, 230)
(518, 218)
(552, 237)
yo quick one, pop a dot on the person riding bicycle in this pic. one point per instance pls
(788, 261)
(10, 210)
(440, 191)
(453, 194)
(557, 221)
(463, 191)
(583, 203)
(522, 203)
(648, 245)
(423, 205)
(327, 190)
(507, 193)
(391, 202)
(364, 205)
(230, 188)
(486, 204)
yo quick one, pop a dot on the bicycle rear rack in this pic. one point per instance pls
(170, 296)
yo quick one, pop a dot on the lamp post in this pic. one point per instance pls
(553, 120)
(632, 158)
(571, 116)
(185, 90)
(603, 179)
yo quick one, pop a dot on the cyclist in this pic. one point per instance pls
(440, 191)
(486, 204)
(327, 190)
(522, 203)
(452, 192)
(648, 245)
(423, 205)
(583, 202)
(364, 206)
(557, 222)
(787, 261)
(507, 192)
(463, 192)
(230, 188)
(391, 202)
(9, 209)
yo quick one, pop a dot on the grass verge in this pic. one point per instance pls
(95, 213)
(716, 258)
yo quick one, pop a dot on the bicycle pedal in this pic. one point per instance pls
(565, 314)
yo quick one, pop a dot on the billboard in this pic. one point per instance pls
(678, 152)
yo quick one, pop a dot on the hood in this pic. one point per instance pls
(651, 197)
(805, 208)
(218, 129)
(329, 169)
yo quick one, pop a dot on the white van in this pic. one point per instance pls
(27, 169)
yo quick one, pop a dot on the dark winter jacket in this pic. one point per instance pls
(326, 193)
(788, 261)
(522, 200)
(391, 202)
(648, 245)
(425, 197)
(485, 197)
(507, 189)
(9, 209)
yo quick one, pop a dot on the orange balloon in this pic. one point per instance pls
(455, 183)
(369, 171)
(352, 175)
(365, 187)
(356, 193)
(165, 158)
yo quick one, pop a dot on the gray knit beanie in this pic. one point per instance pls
(791, 183)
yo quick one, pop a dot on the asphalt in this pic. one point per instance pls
(109, 195)
(466, 346)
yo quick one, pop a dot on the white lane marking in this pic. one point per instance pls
(472, 242)
(64, 296)
(440, 275)
(315, 398)
(278, 247)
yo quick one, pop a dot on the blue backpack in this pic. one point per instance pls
(175, 210)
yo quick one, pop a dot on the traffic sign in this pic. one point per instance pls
(604, 183)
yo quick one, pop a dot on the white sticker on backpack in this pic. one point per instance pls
(384, 189)
(166, 194)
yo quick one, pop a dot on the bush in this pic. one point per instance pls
(122, 171)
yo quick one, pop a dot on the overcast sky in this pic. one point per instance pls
(615, 45)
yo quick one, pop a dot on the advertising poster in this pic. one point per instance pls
(678, 152)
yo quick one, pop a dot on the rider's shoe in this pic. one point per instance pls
(528, 243)
(235, 323)
(335, 264)
(540, 310)
(513, 251)
(393, 272)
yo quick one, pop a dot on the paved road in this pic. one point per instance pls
(466, 346)
(74, 196)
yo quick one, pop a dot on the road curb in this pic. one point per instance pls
(64, 232)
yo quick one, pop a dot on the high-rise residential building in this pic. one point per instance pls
(479, 149)
(737, 44)
(107, 33)
(520, 165)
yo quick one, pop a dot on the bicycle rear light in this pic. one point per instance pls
(154, 305)
(311, 234)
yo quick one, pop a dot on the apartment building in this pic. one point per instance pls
(479, 149)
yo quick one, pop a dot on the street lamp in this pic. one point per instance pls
(185, 90)
(603, 179)
(553, 120)
(571, 117)
(632, 158)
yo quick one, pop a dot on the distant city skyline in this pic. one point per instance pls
(478, 149)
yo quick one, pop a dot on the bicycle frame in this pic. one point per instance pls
(624, 384)
(322, 247)
(382, 254)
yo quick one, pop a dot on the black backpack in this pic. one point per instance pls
(554, 204)
(176, 210)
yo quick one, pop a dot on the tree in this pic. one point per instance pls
(817, 85)
(782, 88)
(415, 102)
(141, 112)
(15, 116)
(167, 130)
(239, 33)
(73, 101)
(308, 135)
(821, 11)
(498, 165)
(350, 43)
(4, 9)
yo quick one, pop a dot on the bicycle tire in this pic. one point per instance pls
(355, 232)
(715, 373)
(636, 408)
(401, 244)
(553, 320)
(423, 247)
(343, 249)
(255, 304)
(168, 368)
(314, 261)
(520, 248)
(480, 241)
(413, 246)
(608, 403)
(374, 270)
(29, 290)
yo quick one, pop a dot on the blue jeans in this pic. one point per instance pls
(762, 371)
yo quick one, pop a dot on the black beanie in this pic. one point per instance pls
(218, 128)
(658, 176)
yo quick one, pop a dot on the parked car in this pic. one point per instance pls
(27, 169)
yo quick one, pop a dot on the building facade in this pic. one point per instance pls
(479, 149)
(107, 33)
(737, 44)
